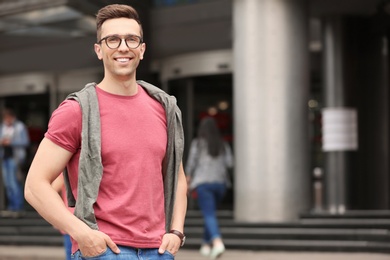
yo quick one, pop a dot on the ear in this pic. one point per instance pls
(98, 51)
(142, 51)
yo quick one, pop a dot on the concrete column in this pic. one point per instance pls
(272, 177)
(334, 96)
(3, 197)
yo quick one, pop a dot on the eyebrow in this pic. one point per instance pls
(125, 35)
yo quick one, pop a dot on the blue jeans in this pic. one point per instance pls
(128, 253)
(12, 186)
(67, 246)
(209, 196)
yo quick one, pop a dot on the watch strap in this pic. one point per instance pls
(179, 234)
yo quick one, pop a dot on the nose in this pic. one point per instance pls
(123, 45)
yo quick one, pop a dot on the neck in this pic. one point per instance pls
(123, 87)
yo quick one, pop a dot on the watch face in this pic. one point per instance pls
(183, 241)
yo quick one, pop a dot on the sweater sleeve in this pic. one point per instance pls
(192, 159)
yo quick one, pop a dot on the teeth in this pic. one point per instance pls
(122, 59)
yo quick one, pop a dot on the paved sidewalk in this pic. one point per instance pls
(57, 253)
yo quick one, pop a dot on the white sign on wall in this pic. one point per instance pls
(339, 129)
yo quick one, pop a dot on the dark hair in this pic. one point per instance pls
(9, 111)
(115, 11)
(208, 131)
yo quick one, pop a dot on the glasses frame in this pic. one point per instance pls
(123, 38)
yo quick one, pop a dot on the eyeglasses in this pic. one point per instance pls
(114, 41)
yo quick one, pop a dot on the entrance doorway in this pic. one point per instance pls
(201, 96)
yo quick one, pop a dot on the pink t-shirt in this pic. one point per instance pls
(130, 203)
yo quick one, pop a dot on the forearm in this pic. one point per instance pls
(49, 204)
(180, 206)
(173, 241)
(48, 163)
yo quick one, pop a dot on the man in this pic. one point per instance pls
(14, 140)
(124, 167)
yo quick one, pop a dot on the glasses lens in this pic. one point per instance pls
(113, 42)
(133, 41)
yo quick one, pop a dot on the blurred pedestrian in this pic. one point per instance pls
(14, 140)
(121, 142)
(207, 166)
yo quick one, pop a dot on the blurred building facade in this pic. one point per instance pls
(267, 70)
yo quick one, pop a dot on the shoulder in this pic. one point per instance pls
(149, 87)
(87, 90)
(195, 141)
(65, 125)
(68, 111)
(199, 143)
(68, 106)
(156, 92)
(19, 125)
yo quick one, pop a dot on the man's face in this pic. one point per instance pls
(123, 61)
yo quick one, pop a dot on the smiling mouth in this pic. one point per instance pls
(122, 60)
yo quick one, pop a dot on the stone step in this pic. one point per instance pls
(298, 233)
(318, 233)
(302, 223)
(299, 245)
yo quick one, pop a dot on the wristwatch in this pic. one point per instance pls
(180, 235)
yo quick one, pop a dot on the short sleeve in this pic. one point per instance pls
(64, 127)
